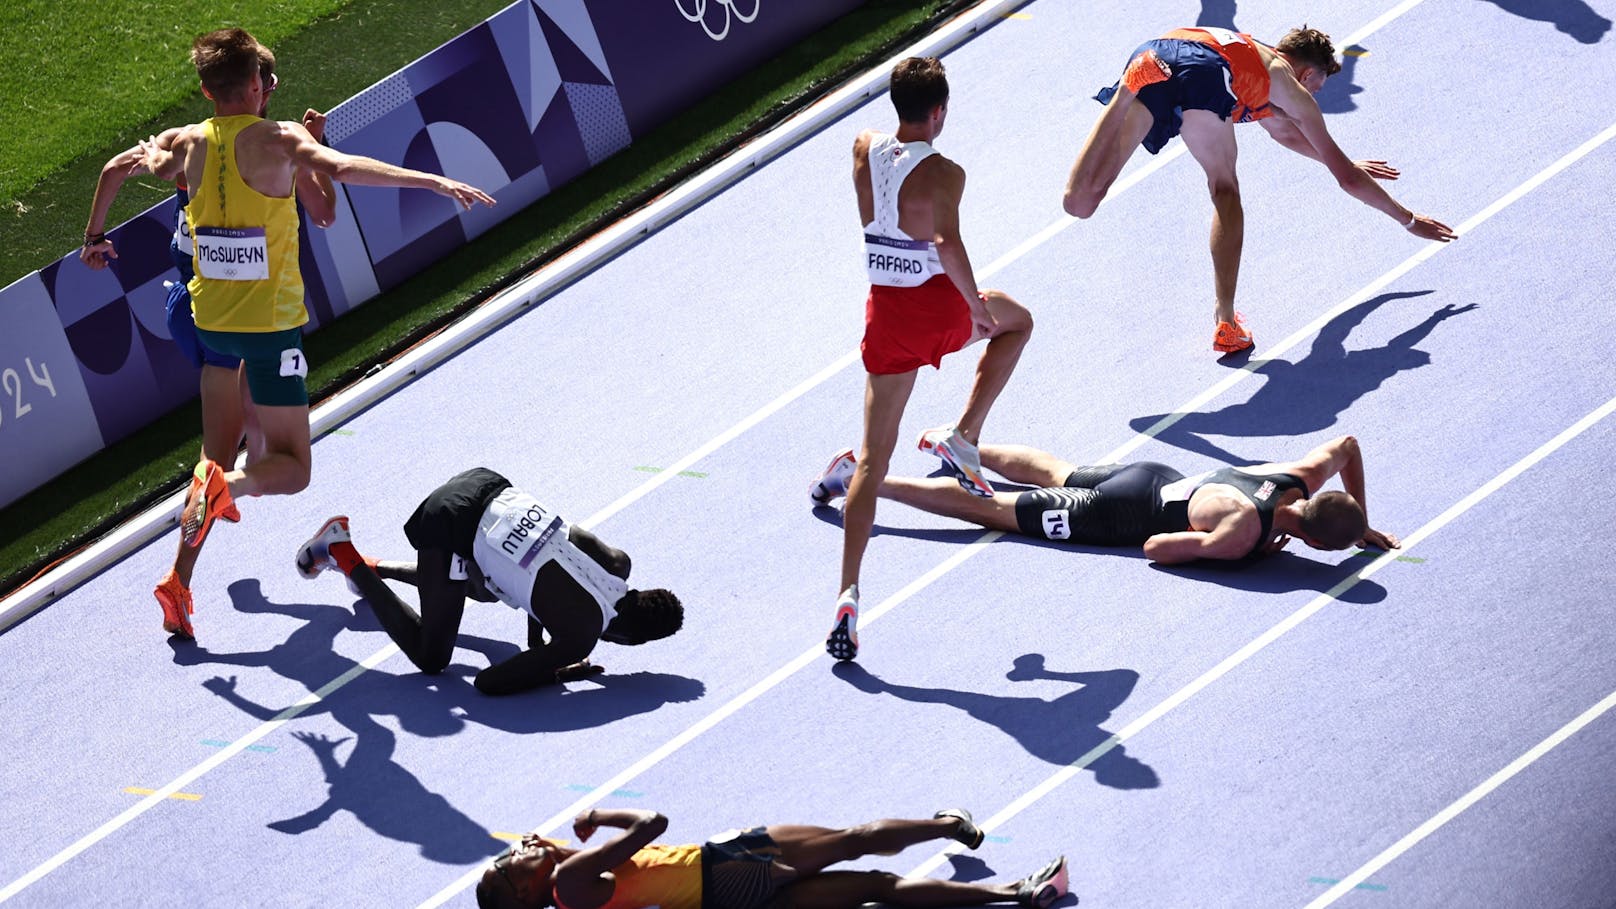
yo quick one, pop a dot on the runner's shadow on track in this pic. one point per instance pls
(1283, 572)
(1060, 731)
(1572, 17)
(370, 784)
(1311, 394)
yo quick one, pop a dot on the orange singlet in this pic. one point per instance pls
(1248, 76)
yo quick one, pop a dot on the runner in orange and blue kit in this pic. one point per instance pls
(1197, 83)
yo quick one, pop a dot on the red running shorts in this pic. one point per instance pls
(906, 328)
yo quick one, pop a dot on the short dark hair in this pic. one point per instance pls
(494, 890)
(1334, 520)
(918, 86)
(226, 60)
(647, 615)
(1310, 45)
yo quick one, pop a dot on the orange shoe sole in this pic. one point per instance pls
(210, 499)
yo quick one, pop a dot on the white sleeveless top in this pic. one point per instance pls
(893, 258)
(517, 536)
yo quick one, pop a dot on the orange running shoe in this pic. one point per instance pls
(1232, 338)
(209, 499)
(175, 598)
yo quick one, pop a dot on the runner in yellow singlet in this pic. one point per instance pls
(247, 293)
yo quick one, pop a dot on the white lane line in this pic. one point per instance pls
(1055, 780)
(185, 779)
(1470, 798)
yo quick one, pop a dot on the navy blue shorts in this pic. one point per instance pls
(182, 328)
(1199, 81)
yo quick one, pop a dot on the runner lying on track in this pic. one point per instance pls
(775, 867)
(479, 536)
(1230, 513)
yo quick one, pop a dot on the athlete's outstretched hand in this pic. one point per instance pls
(1380, 170)
(1380, 540)
(464, 193)
(1428, 228)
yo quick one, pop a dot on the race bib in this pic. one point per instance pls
(293, 363)
(519, 533)
(232, 253)
(897, 263)
(182, 234)
(1223, 35)
(1056, 526)
(457, 569)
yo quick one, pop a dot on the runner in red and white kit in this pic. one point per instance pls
(923, 304)
(1199, 82)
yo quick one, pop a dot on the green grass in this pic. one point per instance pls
(118, 57)
(59, 122)
(91, 498)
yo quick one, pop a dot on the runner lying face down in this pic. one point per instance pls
(1231, 513)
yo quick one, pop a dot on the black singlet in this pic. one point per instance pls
(1263, 490)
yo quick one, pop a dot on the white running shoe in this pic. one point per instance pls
(842, 642)
(833, 481)
(959, 456)
(315, 555)
(1041, 889)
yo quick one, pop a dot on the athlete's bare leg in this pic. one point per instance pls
(223, 416)
(884, 399)
(284, 469)
(1026, 465)
(997, 363)
(1210, 139)
(1110, 144)
(943, 495)
(851, 889)
(809, 850)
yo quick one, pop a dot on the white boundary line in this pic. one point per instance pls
(1470, 798)
(1055, 780)
(513, 301)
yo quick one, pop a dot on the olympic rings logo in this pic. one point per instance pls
(730, 11)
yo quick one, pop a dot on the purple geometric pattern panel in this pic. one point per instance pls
(518, 105)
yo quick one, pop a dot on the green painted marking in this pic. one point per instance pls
(342, 432)
(995, 839)
(1333, 880)
(682, 473)
(1366, 554)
